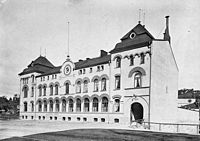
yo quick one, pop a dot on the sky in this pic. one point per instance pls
(28, 26)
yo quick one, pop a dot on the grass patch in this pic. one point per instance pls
(106, 135)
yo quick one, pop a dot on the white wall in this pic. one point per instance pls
(164, 83)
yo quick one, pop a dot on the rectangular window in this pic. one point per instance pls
(90, 70)
(32, 91)
(117, 82)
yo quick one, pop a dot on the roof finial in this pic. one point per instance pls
(143, 17)
(68, 41)
(40, 51)
(139, 16)
(45, 53)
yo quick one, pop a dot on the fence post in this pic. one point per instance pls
(159, 126)
(177, 128)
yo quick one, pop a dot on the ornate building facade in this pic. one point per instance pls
(135, 81)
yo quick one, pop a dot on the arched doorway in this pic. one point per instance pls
(136, 112)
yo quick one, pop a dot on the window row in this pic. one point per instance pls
(96, 83)
(83, 71)
(118, 59)
(76, 105)
(53, 76)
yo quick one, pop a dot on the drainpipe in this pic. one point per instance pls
(150, 85)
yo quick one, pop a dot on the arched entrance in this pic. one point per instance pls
(136, 112)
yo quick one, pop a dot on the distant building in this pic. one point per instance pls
(135, 81)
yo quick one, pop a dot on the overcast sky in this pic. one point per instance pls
(28, 25)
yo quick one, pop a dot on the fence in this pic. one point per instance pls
(168, 127)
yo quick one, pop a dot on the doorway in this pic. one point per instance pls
(136, 112)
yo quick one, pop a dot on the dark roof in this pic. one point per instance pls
(92, 62)
(190, 106)
(54, 70)
(142, 38)
(39, 65)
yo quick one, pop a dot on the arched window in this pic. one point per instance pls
(32, 91)
(131, 60)
(118, 62)
(71, 105)
(85, 86)
(25, 107)
(25, 91)
(45, 106)
(117, 82)
(67, 88)
(64, 105)
(78, 87)
(51, 106)
(103, 84)
(44, 90)
(57, 105)
(95, 104)
(40, 106)
(96, 85)
(56, 89)
(138, 80)
(78, 105)
(117, 105)
(40, 90)
(142, 58)
(51, 89)
(32, 77)
(32, 107)
(104, 105)
(86, 105)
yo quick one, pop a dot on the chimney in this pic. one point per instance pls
(166, 34)
(103, 53)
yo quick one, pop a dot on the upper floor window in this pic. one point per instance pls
(90, 70)
(57, 105)
(78, 105)
(102, 67)
(32, 107)
(56, 89)
(25, 107)
(78, 87)
(40, 106)
(103, 84)
(83, 71)
(71, 105)
(55, 76)
(85, 86)
(104, 105)
(32, 91)
(117, 82)
(96, 85)
(25, 89)
(142, 58)
(51, 106)
(118, 62)
(40, 90)
(131, 60)
(137, 79)
(117, 105)
(98, 68)
(86, 105)
(44, 90)
(95, 104)
(80, 72)
(51, 89)
(67, 88)
(32, 77)
(45, 106)
(64, 104)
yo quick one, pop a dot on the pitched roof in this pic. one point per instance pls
(54, 70)
(142, 38)
(92, 62)
(39, 65)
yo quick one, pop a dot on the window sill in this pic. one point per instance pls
(116, 89)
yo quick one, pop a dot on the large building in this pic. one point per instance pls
(136, 81)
